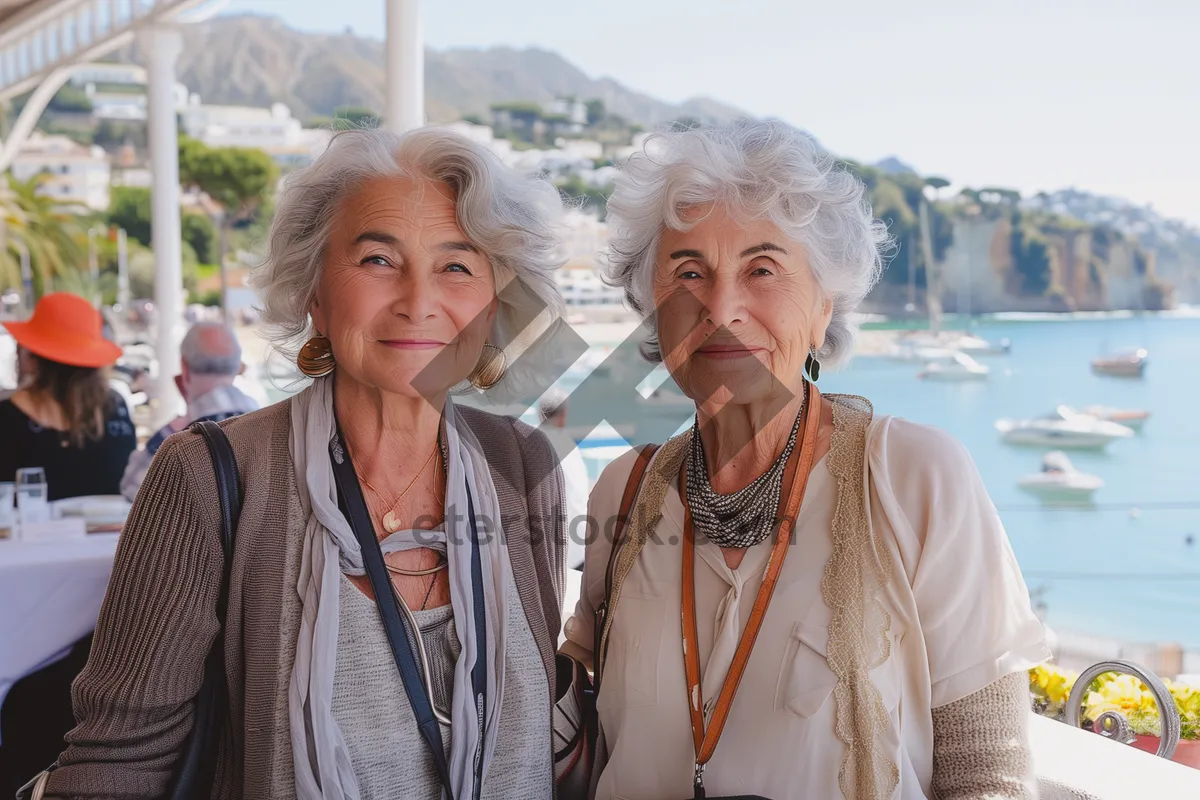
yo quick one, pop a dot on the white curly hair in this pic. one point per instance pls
(764, 169)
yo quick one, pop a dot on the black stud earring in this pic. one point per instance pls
(812, 366)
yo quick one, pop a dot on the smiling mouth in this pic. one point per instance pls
(728, 351)
(411, 344)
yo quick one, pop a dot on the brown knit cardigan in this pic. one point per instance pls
(134, 700)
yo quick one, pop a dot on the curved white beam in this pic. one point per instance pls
(31, 113)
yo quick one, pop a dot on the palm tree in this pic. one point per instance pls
(53, 237)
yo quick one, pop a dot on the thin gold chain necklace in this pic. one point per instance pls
(391, 522)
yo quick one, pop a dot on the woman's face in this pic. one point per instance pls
(738, 308)
(405, 298)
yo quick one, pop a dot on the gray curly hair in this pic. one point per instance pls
(766, 169)
(513, 218)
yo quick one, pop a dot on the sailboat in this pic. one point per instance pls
(947, 343)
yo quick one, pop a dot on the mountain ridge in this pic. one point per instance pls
(253, 59)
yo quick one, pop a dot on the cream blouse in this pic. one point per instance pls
(955, 613)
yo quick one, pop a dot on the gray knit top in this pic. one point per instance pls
(389, 756)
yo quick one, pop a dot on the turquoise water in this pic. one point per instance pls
(1157, 472)
(1063, 551)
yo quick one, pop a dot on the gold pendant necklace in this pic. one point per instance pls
(391, 523)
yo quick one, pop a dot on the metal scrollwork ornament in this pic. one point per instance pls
(1113, 725)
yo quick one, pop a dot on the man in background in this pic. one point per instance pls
(553, 408)
(212, 361)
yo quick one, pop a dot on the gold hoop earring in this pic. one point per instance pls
(493, 364)
(316, 357)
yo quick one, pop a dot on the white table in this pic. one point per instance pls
(50, 596)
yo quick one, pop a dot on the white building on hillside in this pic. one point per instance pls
(74, 175)
(118, 91)
(484, 135)
(585, 237)
(574, 110)
(273, 130)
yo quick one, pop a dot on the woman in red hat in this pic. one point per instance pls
(64, 417)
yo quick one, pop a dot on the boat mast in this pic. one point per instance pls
(933, 295)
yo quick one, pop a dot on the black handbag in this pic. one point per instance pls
(194, 776)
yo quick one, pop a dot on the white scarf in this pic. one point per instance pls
(322, 762)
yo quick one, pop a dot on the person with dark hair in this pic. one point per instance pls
(64, 416)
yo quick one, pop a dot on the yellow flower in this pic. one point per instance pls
(1122, 693)
(1059, 687)
(1051, 682)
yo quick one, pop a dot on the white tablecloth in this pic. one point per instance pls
(50, 596)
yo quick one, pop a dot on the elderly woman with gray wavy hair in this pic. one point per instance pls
(805, 599)
(406, 265)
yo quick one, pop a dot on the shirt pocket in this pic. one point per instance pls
(806, 681)
(631, 665)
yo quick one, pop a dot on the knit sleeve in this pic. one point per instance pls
(981, 744)
(134, 699)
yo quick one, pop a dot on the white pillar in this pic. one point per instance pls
(163, 45)
(122, 271)
(404, 51)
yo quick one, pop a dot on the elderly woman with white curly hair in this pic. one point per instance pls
(804, 599)
(395, 590)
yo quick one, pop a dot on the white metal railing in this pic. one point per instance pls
(51, 34)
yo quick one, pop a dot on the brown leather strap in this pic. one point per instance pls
(626, 509)
(801, 465)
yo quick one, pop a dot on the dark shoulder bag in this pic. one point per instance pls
(195, 772)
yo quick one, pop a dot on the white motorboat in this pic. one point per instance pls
(977, 346)
(910, 352)
(1129, 417)
(956, 341)
(961, 368)
(1065, 428)
(1059, 480)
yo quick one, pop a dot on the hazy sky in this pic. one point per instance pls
(1103, 95)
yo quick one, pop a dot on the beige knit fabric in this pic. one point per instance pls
(981, 744)
(858, 630)
(134, 699)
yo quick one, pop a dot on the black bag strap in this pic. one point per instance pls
(393, 621)
(195, 775)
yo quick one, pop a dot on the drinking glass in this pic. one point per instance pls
(33, 495)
